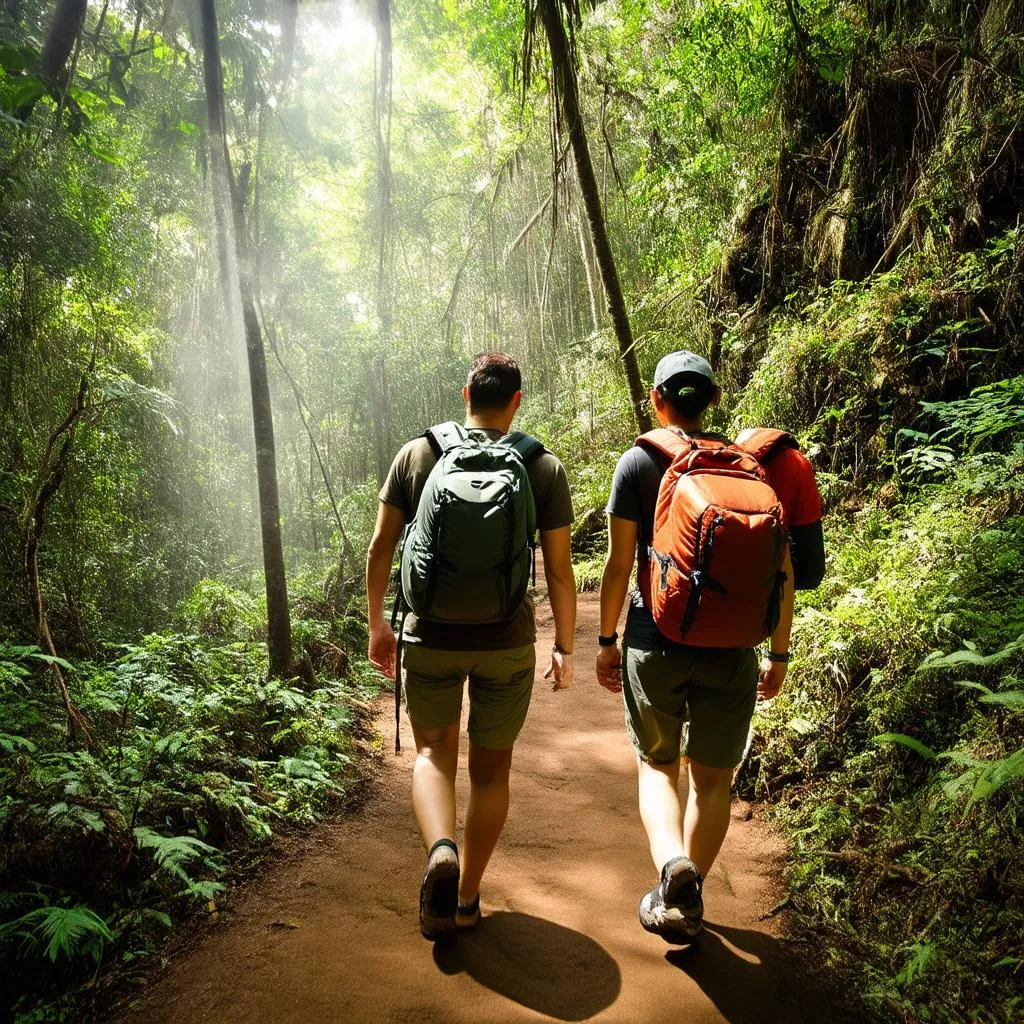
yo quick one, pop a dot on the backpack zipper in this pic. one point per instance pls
(698, 576)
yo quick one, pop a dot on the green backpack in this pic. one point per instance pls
(468, 552)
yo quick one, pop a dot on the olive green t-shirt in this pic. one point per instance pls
(550, 486)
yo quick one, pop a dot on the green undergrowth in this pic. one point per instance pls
(894, 757)
(849, 366)
(200, 762)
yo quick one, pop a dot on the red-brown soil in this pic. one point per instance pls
(332, 935)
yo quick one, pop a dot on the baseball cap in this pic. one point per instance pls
(680, 363)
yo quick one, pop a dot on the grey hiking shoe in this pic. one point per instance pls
(674, 908)
(439, 893)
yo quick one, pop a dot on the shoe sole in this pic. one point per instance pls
(674, 933)
(465, 922)
(687, 876)
(439, 891)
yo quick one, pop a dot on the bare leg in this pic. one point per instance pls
(433, 781)
(485, 816)
(660, 809)
(708, 806)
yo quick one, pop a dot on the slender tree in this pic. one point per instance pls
(279, 643)
(567, 89)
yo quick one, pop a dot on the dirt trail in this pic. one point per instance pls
(333, 936)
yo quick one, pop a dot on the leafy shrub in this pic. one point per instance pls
(202, 759)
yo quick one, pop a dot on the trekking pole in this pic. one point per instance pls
(399, 620)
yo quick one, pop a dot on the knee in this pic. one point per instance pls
(438, 746)
(706, 780)
(489, 769)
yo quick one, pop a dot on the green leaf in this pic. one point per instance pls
(803, 726)
(11, 743)
(108, 156)
(905, 741)
(26, 91)
(68, 928)
(172, 853)
(1013, 699)
(16, 58)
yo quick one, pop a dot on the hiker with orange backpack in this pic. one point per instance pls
(709, 524)
(466, 501)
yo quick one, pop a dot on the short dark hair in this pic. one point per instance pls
(689, 394)
(493, 379)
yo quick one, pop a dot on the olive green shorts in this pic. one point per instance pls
(714, 689)
(500, 687)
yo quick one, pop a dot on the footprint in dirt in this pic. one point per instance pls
(541, 965)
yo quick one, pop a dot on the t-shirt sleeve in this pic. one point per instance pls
(624, 500)
(796, 480)
(554, 503)
(397, 487)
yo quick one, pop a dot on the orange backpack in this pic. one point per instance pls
(714, 577)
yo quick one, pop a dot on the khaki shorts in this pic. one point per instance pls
(500, 687)
(715, 689)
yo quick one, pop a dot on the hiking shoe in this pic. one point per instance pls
(439, 893)
(467, 915)
(674, 908)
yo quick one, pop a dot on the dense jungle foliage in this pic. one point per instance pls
(823, 197)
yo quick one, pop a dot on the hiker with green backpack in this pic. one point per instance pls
(720, 533)
(466, 503)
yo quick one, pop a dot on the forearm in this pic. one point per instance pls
(614, 586)
(378, 576)
(781, 634)
(562, 595)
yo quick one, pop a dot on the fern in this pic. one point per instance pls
(10, 743)
(65, 931)
(906, 741)
(922, 956)
(172, 853)
(970, 656)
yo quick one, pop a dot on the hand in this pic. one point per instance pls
(773, 674)
(383, 648)
(609, 668)
(561, 667)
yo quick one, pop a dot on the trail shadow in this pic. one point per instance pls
(536, 963)
(750, 977)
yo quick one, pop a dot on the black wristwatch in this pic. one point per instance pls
(557, 648)
(608, 641)
(782, 658)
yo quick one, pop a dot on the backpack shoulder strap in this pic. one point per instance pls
(445, 436)
(527, 446)
(668, 442)
(762, 441)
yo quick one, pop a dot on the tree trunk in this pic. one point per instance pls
(279, 641)
(51, 475)
(68, 19)
(65, 27)
(289, 19)
(568, 95)
(585, 257)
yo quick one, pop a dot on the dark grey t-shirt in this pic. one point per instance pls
(553, 501)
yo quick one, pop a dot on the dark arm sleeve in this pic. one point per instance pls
(623, 502)
(808, 551)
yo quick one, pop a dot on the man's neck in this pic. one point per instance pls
(481, 421)
(687, 426)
